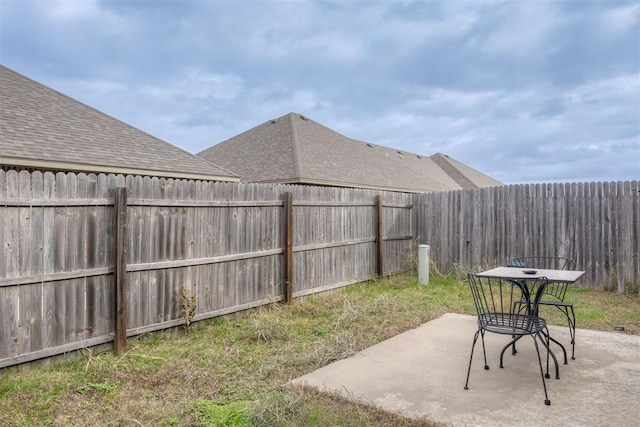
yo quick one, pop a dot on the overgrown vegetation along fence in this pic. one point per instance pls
(597, 224)
(78, 269)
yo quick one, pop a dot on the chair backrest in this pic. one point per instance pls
(499, 301)
(543, 262)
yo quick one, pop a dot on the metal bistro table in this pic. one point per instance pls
(524, 275)
(563, 276)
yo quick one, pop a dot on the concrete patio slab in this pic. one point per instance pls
(421, 374)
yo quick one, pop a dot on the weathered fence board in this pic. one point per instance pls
(597, 224)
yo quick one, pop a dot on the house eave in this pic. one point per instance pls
(330, 183)
(83, 167)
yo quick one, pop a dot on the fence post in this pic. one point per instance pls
(288, 253)
(379, 236)
(120, 270)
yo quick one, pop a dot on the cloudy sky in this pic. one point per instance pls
(525, 91)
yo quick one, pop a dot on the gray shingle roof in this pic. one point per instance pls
(296, 149)
(40, 127)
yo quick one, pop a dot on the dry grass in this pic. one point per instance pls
(234, 371)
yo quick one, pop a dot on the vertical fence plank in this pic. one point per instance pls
(288, 220)
(25, 292)
(104, 249)
(4, 210)
(80, 218)
(48, 266)
(134, 243)
(37, 320)
(604, 227)
(619, 229)
(68, 258)
(4, 291)
(91, 259)
(380, 236)
(10, 302)
(634, 237)
(120, 271)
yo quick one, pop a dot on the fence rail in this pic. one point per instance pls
(597, 224)
(225, 243)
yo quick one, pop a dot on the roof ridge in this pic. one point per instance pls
(443, 162)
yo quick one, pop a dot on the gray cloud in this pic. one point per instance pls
(523, 91)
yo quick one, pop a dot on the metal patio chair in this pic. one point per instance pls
(495, 300)
(554, 294)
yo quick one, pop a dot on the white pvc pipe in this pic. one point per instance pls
(423, 264)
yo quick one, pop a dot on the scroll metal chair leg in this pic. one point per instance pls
(512, 344)
(564, 351)
(572, 331)
(484, 350)
(544, 384)
(549, 353)
(548, 336)
(475, 338)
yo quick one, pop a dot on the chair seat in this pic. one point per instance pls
(511, 324)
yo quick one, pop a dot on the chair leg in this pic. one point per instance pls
(564, 351)
(544, 384)
(546, 344)
(484, 350)
(571, 322)
(548, 351)
(511, 344)
(475, 338)
(571, 317)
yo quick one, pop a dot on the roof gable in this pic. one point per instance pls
(40, 127)
(264, 153)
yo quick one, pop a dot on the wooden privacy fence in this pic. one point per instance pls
(597, 224)
(84, 263)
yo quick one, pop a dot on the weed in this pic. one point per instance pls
(322, 330)
(277, 407)
(267, 325)
(173, 422)
(340, 345)
(350, 313)
(212, 414)
(101, 387)
(189, 303)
